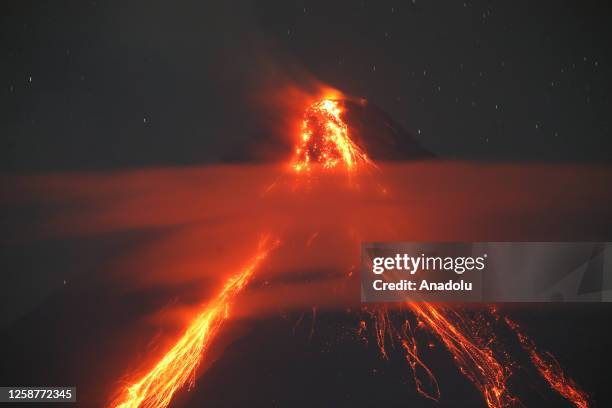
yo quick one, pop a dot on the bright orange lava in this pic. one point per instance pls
(474, 349)
(325, 141)
(476, 361)
(178, 366)
(550, 369)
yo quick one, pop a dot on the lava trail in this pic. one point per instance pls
(385, 330)
(476, 361)
(178, 366)
(550, 369)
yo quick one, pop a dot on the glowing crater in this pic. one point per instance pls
(324, 140)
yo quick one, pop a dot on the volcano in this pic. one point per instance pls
(370, 128)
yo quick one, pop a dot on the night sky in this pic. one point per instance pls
(100, 85)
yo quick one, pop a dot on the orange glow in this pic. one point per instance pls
(324, 140)
(473, 356)
(550, 369)
(178, 366)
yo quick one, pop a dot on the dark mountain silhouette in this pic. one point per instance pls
(380, 136)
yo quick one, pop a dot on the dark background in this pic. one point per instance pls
(107, 85)
(89, 84)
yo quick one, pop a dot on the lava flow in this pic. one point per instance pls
(476, 361)
(550, 369)
(178, 366)
(325, 143)
(325, 140)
